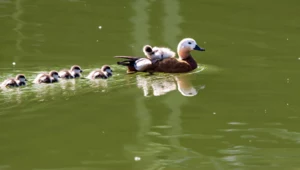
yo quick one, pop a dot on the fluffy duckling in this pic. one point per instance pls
(46, 78)
(102, 73)
(42, 78)
(54, 76)
(21, 79)
(158, 53)
(9, 83)
(74, 72)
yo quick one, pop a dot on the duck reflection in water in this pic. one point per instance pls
(163, 85)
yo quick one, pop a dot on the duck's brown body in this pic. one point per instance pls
(168, 65)
(173, 65)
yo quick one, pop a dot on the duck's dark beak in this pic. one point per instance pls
(59, 77)
(81, 71)
(26, 80)
(199, 48)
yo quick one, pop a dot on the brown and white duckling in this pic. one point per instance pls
(9, 83)
(158, 53)
(21, 79)
(74, 72)
(42, 78)
(54, 76)
(103, 73)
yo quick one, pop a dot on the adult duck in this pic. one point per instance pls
(185, 62)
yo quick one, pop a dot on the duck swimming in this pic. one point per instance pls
(103, 73)
(42, 78)
(74, 72)
(184, 63)
(46, 78)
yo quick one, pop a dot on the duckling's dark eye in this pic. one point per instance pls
(190, 42)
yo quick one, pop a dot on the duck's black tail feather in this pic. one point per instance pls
(130, 61)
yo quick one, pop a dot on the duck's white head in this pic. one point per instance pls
(106, 70)
(185, 46)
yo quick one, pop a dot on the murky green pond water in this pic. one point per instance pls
(243, 112)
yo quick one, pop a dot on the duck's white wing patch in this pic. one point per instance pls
(142, 64)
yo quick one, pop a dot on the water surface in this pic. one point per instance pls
(238, 110)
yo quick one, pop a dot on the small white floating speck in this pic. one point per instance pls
(287, 39)
(137, 158)
(14, 63)
(100, 27)
(287, 104)
(214, 113)
(97, 40)
(204, 42)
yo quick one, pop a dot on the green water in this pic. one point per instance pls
(238, 110)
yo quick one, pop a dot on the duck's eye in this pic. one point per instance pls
(190, 42)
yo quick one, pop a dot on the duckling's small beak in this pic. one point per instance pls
(199, 48)
(26, 80)
(81, 71)
(59, 77)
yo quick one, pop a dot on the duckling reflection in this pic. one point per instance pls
(96, 83)
(67, 84)
(10, 95)
(163, 85)
(42, 90)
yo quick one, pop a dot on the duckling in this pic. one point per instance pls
(102, 73)
(21, 79)
(54, 76)
(74, 72)
(9, 83)
(42, 78)
(158, 53)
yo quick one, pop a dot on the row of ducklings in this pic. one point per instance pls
(53, 76)
(152, 53)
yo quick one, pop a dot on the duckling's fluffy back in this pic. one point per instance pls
(158, 52)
